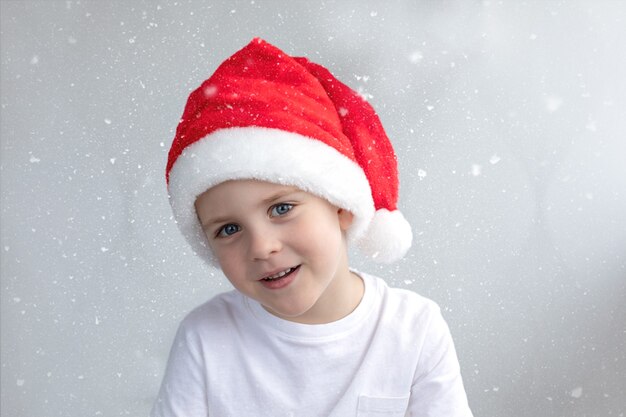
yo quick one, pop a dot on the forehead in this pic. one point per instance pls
(242, 192)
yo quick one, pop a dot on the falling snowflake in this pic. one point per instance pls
(494, 159)
(416, 57)
(553, 103)
(210, 91)
(477, 170)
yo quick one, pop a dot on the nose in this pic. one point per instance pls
(263, 243)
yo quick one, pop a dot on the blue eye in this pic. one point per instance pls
(228, 230)
(280, 209)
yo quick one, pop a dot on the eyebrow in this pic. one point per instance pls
(272, 198)
(212, 222)
(279, 195)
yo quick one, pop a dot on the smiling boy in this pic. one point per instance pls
(276, 166)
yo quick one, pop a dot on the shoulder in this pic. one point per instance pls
(404, 309)
(219, 312)
(402, 300)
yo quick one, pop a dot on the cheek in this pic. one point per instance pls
(228, 260)
(321, 236)
(234, 273)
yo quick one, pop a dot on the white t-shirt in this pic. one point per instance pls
(392, 356)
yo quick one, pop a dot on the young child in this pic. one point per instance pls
(275, 167)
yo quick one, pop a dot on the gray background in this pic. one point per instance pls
(509, 122)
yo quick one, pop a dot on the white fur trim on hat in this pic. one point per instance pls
(269, 155)
(388, 238)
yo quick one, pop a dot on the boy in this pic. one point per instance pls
(275, 166)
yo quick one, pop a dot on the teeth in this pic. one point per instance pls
(280, 274)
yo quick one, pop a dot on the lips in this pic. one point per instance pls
(281, 278)
(280, 274)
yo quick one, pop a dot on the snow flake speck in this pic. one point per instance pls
(591, 126)
(577, 392)
(210, 91)
(553, 103)
(416, 57)
(476, 170)
(365, 96)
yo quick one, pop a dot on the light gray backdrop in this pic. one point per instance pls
(509, 122)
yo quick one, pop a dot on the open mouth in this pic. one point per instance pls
(281, 274)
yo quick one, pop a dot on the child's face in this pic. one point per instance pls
(259, 230)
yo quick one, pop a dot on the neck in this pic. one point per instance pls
(342, 297)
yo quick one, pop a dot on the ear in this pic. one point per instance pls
(345, 219)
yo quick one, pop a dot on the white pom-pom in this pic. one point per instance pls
(388, 237)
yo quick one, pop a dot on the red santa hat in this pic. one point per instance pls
(268, 116)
